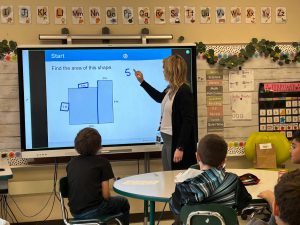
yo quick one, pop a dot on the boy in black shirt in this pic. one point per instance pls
(88, 179)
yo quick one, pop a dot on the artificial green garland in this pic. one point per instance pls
(262, 47)
(7, 47)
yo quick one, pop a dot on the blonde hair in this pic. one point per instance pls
(175, 69)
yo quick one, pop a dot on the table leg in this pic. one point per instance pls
(146, 162)
(152, 213)
(145, 212)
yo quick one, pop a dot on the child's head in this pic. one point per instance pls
(295, 153)
(212, 150)
(287, 195)
(88, 141)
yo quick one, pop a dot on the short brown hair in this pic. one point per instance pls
(212, 150)
(296, 135)
(287, 195)
(88, 141)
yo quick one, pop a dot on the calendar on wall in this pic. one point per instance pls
(279, 107)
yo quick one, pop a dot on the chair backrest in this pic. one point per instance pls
(210, 214)
(195, 166)
(63, 186)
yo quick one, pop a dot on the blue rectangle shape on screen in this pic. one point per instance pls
(83, 106)
(105, 101)
(107, 54)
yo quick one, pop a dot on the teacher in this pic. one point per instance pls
(178, 122)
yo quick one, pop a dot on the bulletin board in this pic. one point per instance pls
(279, 107)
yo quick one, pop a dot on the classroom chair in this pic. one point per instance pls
(63, 193)
(209, 214)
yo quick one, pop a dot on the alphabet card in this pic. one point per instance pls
(174, 14)
(280, 15)
(205, 15)
(236, 15)
(220, 15)
(7, 14)
(77, 15)
(111, 15)
(265, 15)
(189, 14)
(127, 14)
(60, 15)
(160, 15)
(144, 15)
(95, 15)
(250, 15)
(24, 14)
(42, 15)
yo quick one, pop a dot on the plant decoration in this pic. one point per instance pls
(8, 50)
(263, 47)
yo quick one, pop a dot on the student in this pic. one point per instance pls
(269, 195)
(177, 125)
(88, 179)
(213, 185)
(286, 207)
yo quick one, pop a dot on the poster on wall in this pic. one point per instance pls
(189, 14)
(60, 15)
(250, 16)
(174, 14)
(144, 15)
(214, 100)
(220, 15)
(77, 15)
(160, 15)
(7, 14)
(42, 15)
(241, 106)
(95, 15)
(205, 15)
(24, 14)
(280, 15)
(241, 80)
(236, 15)
(127, 15)
(279, 107)
(265, 14)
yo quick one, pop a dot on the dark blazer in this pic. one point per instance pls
(184, 127)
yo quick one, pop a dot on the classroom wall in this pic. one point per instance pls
(208, 33)
(31, 185)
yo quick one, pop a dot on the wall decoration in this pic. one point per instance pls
(42, 15)
(205, 15)
(160, 15)
(214, 100)
(236, 15)
(8, 50)
(174, 14)
(95, 15)
(241, 80)
(263, 47)
(220, 15)
(189, 14)
(241, 106)
(280, 14)
(77, 15)
(279, 107)
(250, 15)
(60, 15)
(111, 15)
(7, 14)
(24, 14)
(265, 14)
(127, 14)
(144, 15)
